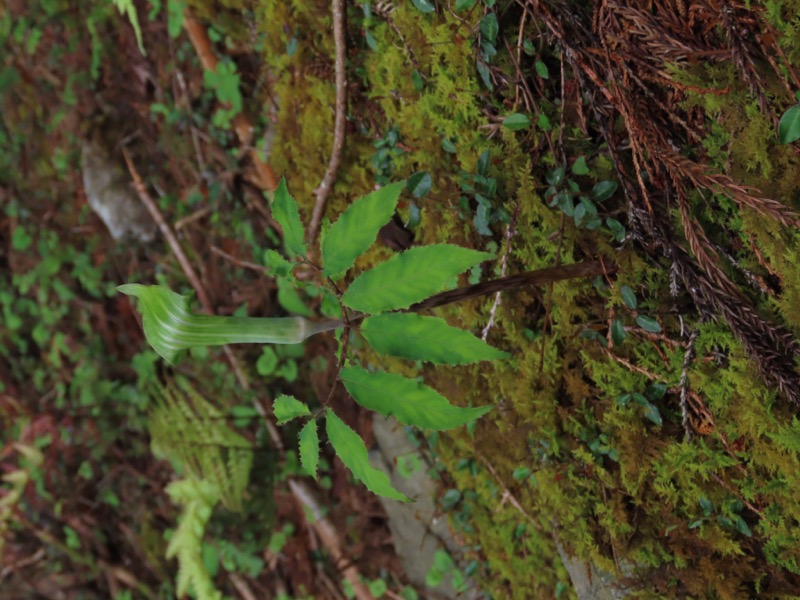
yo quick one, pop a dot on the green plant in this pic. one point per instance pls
(565, 193)
(789, 125)
(127, 8)
(481, 191)
(375, 303)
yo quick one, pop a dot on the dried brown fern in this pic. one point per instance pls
(623, 56)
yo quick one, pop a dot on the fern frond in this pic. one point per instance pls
(198, 498)
(187, 429)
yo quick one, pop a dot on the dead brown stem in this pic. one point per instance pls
(589, 268)
(174, 245)
(328, 180)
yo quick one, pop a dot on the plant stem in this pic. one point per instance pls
(530, 278)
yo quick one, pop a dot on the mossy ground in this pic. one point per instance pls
(561, 458)
(645, 504)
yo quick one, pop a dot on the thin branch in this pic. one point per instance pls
(688, 358)
(148, 202)
(590, 268)
(510, 231)
(245, 264)
(507, 495)
(630, 366)
(327, 533)
(328, 180)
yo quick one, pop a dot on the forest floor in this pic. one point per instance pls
(643, 439)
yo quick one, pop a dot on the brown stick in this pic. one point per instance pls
(327, 533)
(328, 180)
(148, 202)
(590, 268)
(265, 177)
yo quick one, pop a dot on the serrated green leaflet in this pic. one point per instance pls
(171, 327)
(408, 401)
(430, 339)
(652, 414)
(355, 231)
(309, 448)
(410, 277)
(287, 408)
(286, 213)
(351, 450)
(604, 190)
(277, 265)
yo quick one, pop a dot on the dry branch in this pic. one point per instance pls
(619, 56)
(591, 268)
(166, 231)
(328, 180)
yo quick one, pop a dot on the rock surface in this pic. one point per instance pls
(418, 530)
(110, 194)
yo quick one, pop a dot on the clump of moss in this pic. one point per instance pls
(617, 486)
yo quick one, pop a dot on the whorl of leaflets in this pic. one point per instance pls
(380, 295)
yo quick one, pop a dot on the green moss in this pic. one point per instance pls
(558, 394)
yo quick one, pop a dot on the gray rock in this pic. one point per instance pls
(110, 193)
(418, 531)
(591, 582)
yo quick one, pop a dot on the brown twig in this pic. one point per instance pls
(327, 533)
(630, 366)
(510, 231)
(328, 180)
(241, 586)
(589, 268)
(245, 264)
(688, 358)
(507, 495)
(174, 245)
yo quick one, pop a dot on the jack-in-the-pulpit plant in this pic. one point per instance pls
(375, 303)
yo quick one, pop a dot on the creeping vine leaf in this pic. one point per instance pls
(410, 277)
(431, 339)
(408, 401)
(648, 324)
(355, 231)
(789, 126)
(351, 450)
(517, 121)
(628, 297)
